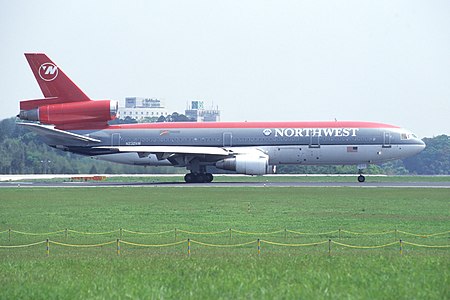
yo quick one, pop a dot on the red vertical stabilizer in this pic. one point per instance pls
(64, 105)
(53, 81)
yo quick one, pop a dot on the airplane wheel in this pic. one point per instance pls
(198, 178)
(361, 178)
(209, 177)
(189, 178)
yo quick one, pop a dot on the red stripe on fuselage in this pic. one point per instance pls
(223, 125)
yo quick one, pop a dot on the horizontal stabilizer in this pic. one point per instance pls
(58, 137)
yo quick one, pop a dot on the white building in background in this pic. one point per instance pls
(140, 108)
(197, 111)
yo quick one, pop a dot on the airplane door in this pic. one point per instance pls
(115, 139)
(387, 140)
(227, 139)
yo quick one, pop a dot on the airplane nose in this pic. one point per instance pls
(420, 146)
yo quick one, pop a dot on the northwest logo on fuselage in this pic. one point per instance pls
(48, 71)
(301, 132)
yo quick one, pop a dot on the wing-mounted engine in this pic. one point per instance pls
(71, 115)
(249, 164)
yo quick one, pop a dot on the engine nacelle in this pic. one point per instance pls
(100, 111)
(249, 164)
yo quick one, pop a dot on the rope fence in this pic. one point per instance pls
(258, 242)
(177, 231)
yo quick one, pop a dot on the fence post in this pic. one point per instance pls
(9, 235)
(339, 233)
(401, 247)
(395, 233)
(189, 247)
(47, 247)
(329, 247)
(118, 247)
(230, 233)
(259, 247)
(175, 234)
(65, 234)
(285, 233)
(120, 233)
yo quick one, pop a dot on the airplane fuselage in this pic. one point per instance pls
(308, 143)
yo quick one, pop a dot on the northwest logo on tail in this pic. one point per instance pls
(48, 71)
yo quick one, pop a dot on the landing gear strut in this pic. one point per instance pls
(198, 177)
(361, 177)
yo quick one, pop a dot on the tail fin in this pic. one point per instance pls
(65, 105)
(53, 82)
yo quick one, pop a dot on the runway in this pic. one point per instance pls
(26, 184)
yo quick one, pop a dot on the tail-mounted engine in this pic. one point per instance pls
(70, 114)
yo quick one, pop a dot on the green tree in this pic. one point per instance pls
(435, 159)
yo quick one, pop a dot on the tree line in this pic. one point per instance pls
(22, 152)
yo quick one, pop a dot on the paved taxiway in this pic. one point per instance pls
(231, 184)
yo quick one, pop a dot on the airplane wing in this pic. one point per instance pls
(175, 154)
(166, 151)
(58, 137)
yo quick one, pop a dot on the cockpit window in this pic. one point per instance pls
(407, 136)
(404, 136)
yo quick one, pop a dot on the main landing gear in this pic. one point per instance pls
(198, 177)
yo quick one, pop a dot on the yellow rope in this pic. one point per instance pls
(22, 246)
(203, 233)
(439, 233)
(426, 246)
(93, 233)
(306, 233)
(153, 245)
(147, 233)
(368, 233)
(365, 247)
(30, 233)
(81, 246)
(227, 230)
(423, 235)
(223, 245)
(293, 245)
(256, 233)
(413, 234)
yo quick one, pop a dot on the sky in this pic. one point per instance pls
(257, 60)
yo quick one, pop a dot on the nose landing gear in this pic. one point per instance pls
(361, 177)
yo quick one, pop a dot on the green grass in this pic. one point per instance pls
(280, 272)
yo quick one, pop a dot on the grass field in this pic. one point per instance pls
(236, 272)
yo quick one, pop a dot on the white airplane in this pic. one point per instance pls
(69, 120)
